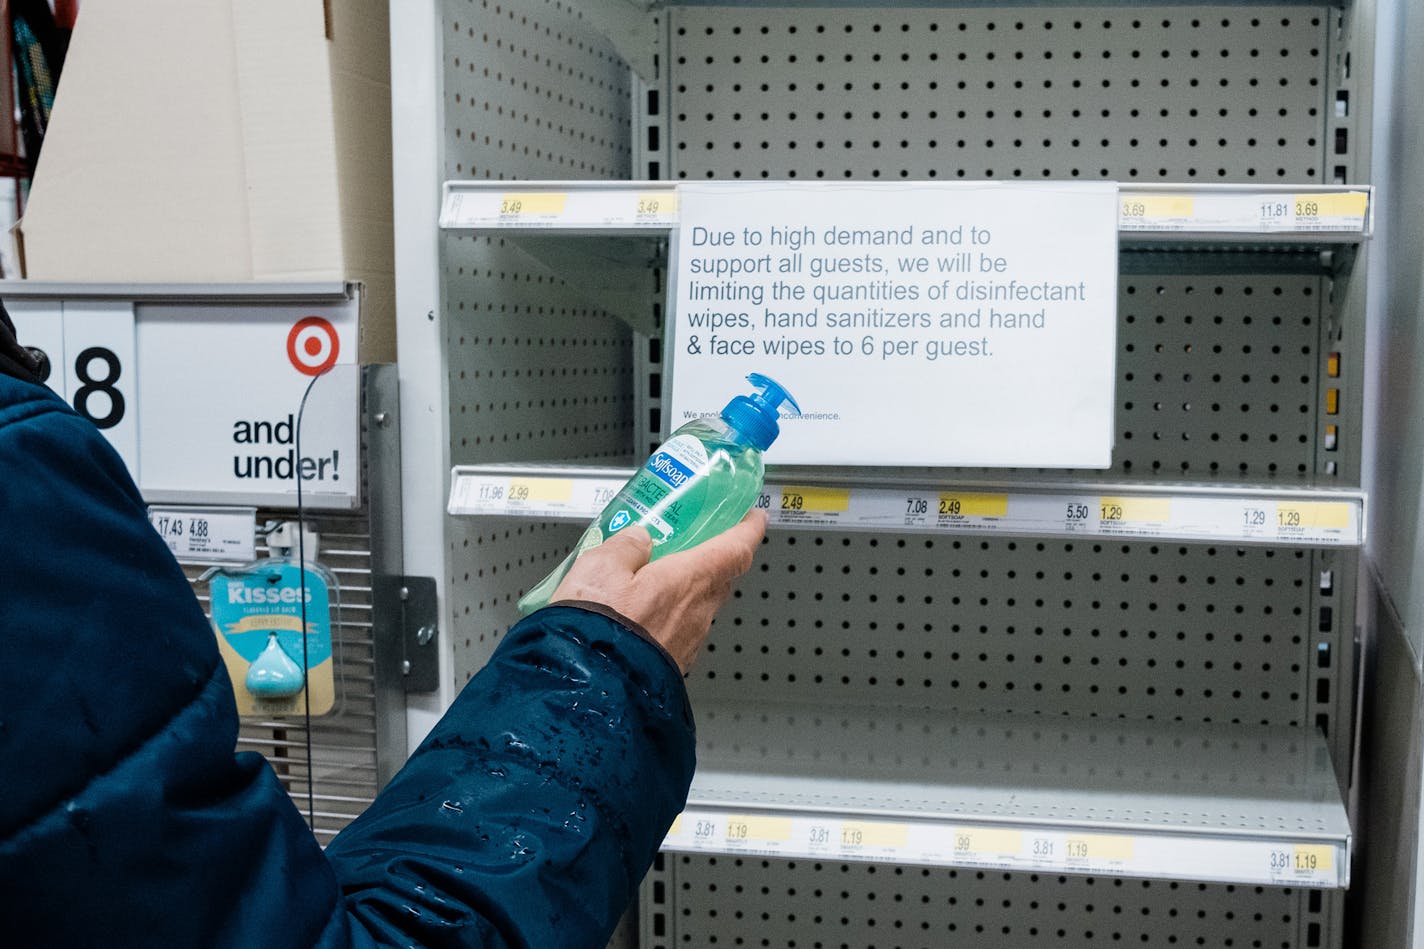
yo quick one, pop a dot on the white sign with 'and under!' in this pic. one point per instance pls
(924, 323)
(230, 409)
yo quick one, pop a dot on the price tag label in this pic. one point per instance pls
(805, 504)
(1135, 510)
(206, 535)
(1312, 858)
(1081, 848)
(1308, 515)
(536, 490)
(856, 834)
(601, 494)
(1153, 211)
(748, 828)
(532, 203)
(656, 204)
(973, 505)
(1341, 209)
(1301, 863)
(987, 841)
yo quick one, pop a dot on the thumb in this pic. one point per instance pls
(630, 549)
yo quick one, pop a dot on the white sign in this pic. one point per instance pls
(90, 348)
(249, 403)
(222, 388)
(204, 535)
(916, 324)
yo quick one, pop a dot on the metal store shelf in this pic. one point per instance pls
(1229, 514)
(1218, 803)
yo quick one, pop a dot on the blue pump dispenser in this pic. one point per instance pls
(755, 416)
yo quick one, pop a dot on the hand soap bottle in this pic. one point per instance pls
(700, 482)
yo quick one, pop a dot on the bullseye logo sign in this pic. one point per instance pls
(312, 345)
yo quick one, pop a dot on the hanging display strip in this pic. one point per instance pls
(1303, 212)
(950, 843)
(1320, 519)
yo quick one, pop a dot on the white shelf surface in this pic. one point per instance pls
(1218, 803)
(794, 501)
(1268, 214)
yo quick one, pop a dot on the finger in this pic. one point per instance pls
(629, 549)
(727, 555)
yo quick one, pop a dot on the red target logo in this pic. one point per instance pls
(312, 345)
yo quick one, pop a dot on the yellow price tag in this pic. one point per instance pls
(1136, 510)
(974, 505)
(873, 834)
(1099, 847)
(1323, 514)
(1349, 204)
(533, 202)
(1313, 858)
(987, 840)
(657, 203)
(540, 489)
(818, 500)
(676, 827)
(1157, 206)
(751, 827)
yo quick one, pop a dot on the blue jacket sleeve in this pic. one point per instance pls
(533, 809)
(525, 819)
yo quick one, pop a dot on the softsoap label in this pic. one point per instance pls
(926, 323)
(272, 660)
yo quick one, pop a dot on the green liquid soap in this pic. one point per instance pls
(699, 482)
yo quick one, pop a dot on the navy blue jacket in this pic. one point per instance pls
(526, 818)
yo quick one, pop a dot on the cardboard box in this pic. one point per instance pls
(222, 141)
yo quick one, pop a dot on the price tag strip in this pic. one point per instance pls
(1331, 523)
(1248, 212)
(1268, 519)
(207, 535)
(579, 497)
(589, 206)
(948, 843)
(577, 206)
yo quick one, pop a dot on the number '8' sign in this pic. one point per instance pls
(90, 347)
(89, 385)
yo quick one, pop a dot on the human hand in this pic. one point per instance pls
(674, 598)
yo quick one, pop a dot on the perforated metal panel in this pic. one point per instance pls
(733, 901)
(531, 91)
(1140, 630)
(1204, 93)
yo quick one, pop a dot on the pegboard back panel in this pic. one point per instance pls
(746, 902)
(1199, 93)
(1219, 377)
(492, 563)
(1134, 630)
(530, 91)
(534, 372)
